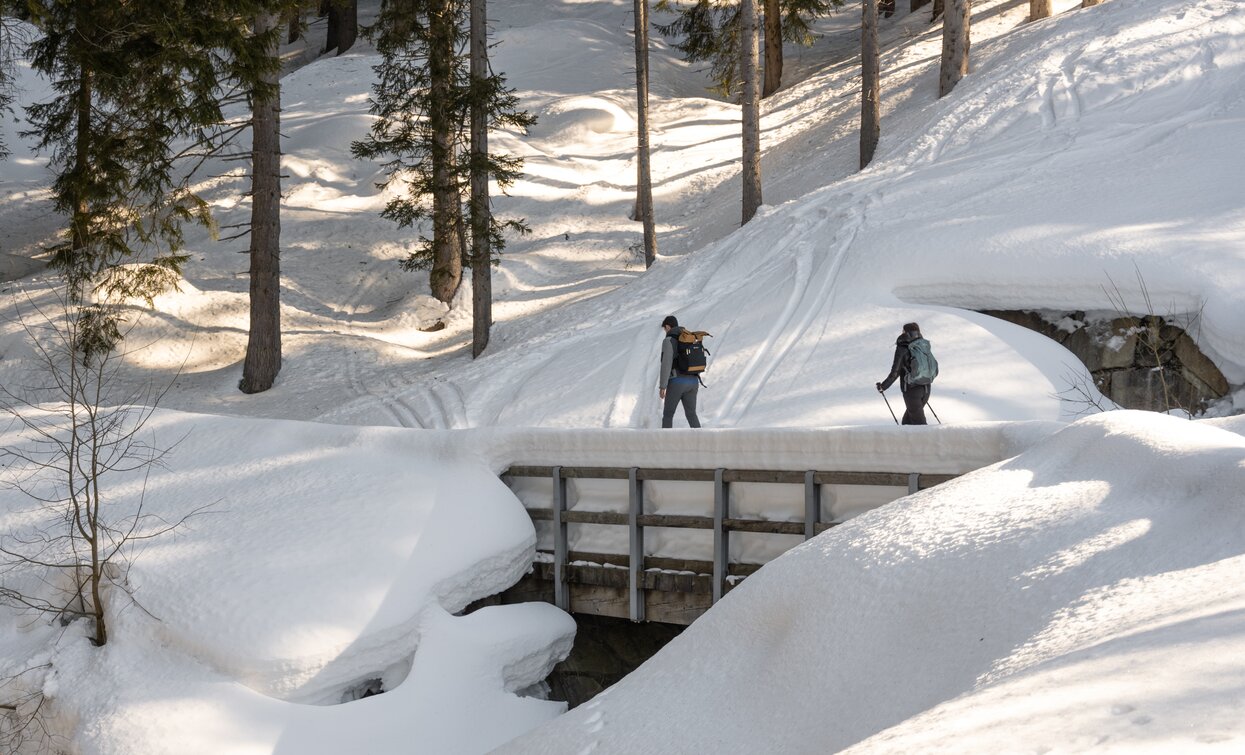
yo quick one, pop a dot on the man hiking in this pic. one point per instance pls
(672, 385)
(915, 368)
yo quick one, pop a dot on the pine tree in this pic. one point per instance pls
(708, 31)
(131, 78)
(1039, 9)
(263, 346)
(421, 99)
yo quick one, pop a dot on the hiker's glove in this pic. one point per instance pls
(879, 387)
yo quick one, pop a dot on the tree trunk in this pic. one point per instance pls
(481, 249)
(295, 29)
(936, 10)
(750, 105)
(447, 265)
(955, 36)
(870, 84)
(644, 180)
(343, 25)
(916, 5)
(1039, 9)
(78, 225)
(1089, 3)
(263, 346)
(773, 48)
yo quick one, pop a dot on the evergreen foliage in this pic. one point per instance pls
(421, 130)
(708, 31)
(139, 90)
(128, 82)
(8, 61)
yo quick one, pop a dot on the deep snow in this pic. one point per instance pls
(1081, 149)
(1085, 594)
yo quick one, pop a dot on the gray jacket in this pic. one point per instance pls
(667, 357)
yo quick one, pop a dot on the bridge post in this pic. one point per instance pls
(721, 536)
(635, 565)
(914, 483)
(812, 504)
(561, 596)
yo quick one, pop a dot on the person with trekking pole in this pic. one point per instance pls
(915, 368)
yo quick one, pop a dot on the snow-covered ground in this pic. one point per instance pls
(1084, 595)
(1081, 590)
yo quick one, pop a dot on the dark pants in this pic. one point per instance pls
(914, 399)
(685, 391)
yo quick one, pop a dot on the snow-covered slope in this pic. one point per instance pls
(1084, 594)
(1082, 149)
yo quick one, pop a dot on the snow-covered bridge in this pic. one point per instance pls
(657, 526)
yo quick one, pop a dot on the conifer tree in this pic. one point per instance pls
(263, 346)
(130, 78)
(709, 31)
(421, 98)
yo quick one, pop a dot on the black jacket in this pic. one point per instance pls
(899, 367)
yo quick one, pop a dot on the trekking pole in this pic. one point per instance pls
(931, 411)
(888, 406)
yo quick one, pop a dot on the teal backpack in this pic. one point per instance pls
(922, 366)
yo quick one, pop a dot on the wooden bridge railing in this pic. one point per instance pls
(721, 522)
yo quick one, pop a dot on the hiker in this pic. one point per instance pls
(672, 385)
(913, 383)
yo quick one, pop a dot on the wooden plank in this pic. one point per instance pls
(812, 504)
(930, 480)
(635, 539)
(677, 521)
(889, 479)
(594, 517)
(681, 521)
(560, 596)
(685, 475)
(524, 471)
(823, 526)
(764, 526)
(596, 473)
(763, 475)
(721, 535)
(654, 563)
(895, 479)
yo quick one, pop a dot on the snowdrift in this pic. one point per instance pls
(322, 559)
(1086, 592)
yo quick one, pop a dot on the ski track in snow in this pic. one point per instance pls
(806, 302)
